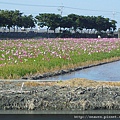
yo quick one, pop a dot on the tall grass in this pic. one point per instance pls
(27, 57)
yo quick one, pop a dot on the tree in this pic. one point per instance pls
(43, 20)
(27, 21)
(13, 19)
(80, 23)
(7, 15)
(10, 18)
(113, 24)
(91, 22)
(99, 24)
(2, 19)
(74, 19)
(16, 19)
(66, 22)
(52, 21)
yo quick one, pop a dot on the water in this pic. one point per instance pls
(106, 72)
(60, 112)
(59, 115)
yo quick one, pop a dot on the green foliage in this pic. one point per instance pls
(12, 19)
(75, 22)
(52, 21)
(28, 57)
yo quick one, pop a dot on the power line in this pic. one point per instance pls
(27, 4)
(8, 3)
(61, 10)
(88, 9)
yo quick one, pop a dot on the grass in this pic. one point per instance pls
(20, 58)
(86, 83)
(76, 82)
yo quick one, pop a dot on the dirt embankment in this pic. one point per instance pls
(76, 94)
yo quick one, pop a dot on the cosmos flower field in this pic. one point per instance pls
(23, 57)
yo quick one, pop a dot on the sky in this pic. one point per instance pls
(106, 8)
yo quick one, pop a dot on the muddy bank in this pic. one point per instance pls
(19, 96)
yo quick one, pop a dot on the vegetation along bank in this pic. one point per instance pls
(31, 57)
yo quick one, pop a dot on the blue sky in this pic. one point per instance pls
(106, 8)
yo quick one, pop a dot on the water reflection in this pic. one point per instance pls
(106, 72)
(60, 112)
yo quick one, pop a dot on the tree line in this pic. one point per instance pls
(72, 22)
(15, 19)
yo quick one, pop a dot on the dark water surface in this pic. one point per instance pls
(106, 72)
(60, 115)
(60, 112)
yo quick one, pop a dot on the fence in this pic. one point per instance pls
(52, 35)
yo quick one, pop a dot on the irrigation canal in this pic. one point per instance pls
(105, 72)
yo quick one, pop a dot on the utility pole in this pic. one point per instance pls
(61, 9)
(114, 15)
(61, 12)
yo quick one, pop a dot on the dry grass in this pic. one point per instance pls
(76, 82)
(35, 84)
(86, 83)
(73, 83)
